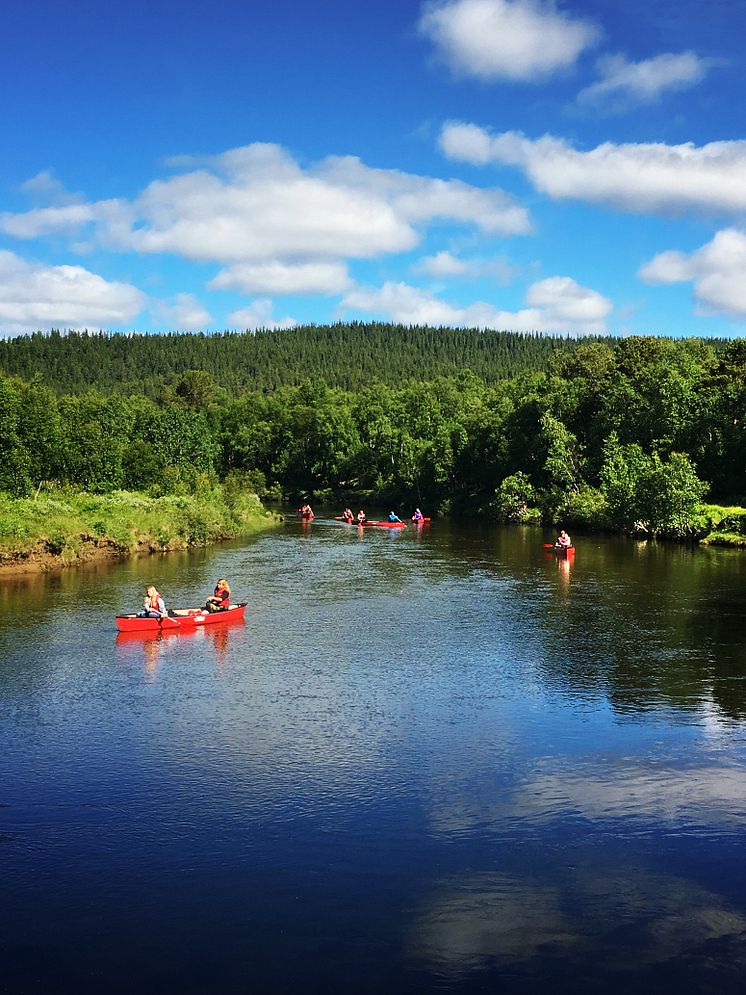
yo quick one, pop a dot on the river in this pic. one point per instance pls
(430, 760)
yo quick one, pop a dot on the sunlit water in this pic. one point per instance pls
(433, 760)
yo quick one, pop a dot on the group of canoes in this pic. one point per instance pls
(154, 616)
(392, 521)
(361, 519)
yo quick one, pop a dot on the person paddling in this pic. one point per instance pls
(347, 515)
(220, 600)
(418, 516)
(153, 605)
(563, 540)
(306, 511)
(393, 517)
(361, 517)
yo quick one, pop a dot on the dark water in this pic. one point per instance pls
(427, 762)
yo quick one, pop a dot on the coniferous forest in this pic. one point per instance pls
(630, 434)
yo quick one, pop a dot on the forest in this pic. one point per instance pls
(344, 355)
(625, 434)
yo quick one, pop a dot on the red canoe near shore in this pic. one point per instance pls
(181, 618)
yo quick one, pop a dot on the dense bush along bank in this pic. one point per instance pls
(629, 435)
(66, 527)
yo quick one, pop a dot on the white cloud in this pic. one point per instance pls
(184, 313)
(256, 204)
(557, 304)
(623, 84)
(34, 296)
(275, 277)
(112, 216)
(421, 199)
(258, 315)
(441, 264)
(717, 271)
(523, 40)
(564, 303)
(646, 177)
(445, 264)
(45, 184)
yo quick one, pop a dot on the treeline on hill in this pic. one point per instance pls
(344, 355)
(627, 435)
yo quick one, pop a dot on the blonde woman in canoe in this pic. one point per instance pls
(153, 605)
(220, 599)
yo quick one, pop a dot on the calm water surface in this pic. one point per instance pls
(429, 761)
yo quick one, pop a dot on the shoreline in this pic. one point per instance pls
(71, 529)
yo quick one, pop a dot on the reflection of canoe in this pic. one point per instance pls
(368, 524)
(181, 618)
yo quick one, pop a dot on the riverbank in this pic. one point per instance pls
(67, 528)
(723, 526)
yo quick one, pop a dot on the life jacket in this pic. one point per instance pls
(224, 595)
(153, 602)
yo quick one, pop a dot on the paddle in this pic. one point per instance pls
(170, 620)
(548, 545)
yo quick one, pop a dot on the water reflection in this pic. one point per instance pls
(151, 647)
(528, 768)
(619, 797)
(593, 920)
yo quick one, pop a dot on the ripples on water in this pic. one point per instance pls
(436, 760)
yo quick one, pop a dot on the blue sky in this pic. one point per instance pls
(573, 168)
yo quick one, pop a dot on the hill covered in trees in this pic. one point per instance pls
(628, 434)
(343, 355)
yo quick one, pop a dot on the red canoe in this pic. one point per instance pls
(181, 618)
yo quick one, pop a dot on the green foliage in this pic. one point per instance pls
(513, 499)
(349, 356)
(645, 493)
(67, 524)
(602, 433)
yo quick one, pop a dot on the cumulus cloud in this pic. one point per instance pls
(259, 315)
(623, 84)
(45, 184)
(520, 40)
(65, 219)
(557, 304)
(564, 302)
(444, 265)
(184, 313)
(34, 296)
(275, 277)
(717, 271)
(646, 177)
(256, 203)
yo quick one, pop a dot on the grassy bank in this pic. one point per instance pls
(67, 527)
(723, 526)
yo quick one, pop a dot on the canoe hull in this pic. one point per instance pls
(182, 619)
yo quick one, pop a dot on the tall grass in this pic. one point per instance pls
(69, 525)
